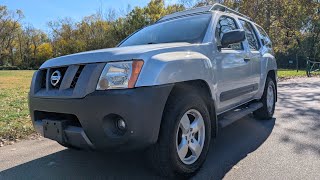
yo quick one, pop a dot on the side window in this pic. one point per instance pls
(250, 35)
(224, 25)
(264, 37)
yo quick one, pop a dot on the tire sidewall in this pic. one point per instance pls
(270, 83)
(190, 102)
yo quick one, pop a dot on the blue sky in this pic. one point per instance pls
(39, 12)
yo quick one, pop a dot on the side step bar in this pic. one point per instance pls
(238, 113)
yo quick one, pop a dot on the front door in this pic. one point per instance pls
(233, 68)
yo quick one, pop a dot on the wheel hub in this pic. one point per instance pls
(270, 98)
(190, 136)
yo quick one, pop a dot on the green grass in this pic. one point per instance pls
(287, 73)
(14, 114)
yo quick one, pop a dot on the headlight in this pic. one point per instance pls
(119, 75)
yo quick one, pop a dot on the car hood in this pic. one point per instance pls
(116, 54)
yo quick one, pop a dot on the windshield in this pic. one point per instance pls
(189, 29)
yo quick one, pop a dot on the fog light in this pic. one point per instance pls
(121, 124)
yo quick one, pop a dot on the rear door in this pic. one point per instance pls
(233, 67)
(255, 56)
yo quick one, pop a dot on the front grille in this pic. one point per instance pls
(76, 81)
(72, 71)
(62, 70)
(43, 78)
(76, 77)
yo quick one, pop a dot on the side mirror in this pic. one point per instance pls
(233, 37)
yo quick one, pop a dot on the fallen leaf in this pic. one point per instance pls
(235, 167)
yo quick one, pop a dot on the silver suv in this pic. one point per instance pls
(168, 88)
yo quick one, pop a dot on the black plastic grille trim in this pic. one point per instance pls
(76, 77)
(43, 78)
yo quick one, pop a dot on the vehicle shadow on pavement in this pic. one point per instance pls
(232, 145)
(300, 111)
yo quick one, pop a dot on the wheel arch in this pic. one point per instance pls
(200, 87)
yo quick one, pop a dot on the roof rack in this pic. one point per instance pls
(222, 8)
(193, 11)
(201, 10)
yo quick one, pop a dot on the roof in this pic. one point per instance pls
(201, 10)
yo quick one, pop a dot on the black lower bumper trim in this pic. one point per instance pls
(140, 108)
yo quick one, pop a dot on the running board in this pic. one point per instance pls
(232, 116)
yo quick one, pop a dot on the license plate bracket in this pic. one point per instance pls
(54, 130)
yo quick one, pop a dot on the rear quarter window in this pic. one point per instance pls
(250, 35)
(264, 37)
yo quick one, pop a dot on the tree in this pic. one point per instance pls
(9, 24)
(293, 25)
(44, 52)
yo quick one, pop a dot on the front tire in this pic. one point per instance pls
(268, 100)
(184, 137)
(69, 146)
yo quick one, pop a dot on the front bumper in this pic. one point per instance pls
(92, 117)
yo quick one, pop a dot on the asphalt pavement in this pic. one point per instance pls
(285, 147)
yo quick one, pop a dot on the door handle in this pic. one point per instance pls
(246, 59)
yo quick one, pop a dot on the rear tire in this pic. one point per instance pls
(169, 156)
(268, 100)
